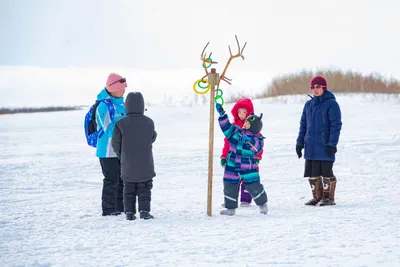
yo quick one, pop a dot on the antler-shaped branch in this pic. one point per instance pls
(239, 54)
(205, 60)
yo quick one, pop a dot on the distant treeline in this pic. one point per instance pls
(338, 81)
(39, 109)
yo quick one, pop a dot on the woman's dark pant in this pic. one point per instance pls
(111, 197)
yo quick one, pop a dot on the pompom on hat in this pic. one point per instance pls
(115, 83)
(320, 81)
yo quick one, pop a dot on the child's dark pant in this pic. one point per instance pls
(140, 190)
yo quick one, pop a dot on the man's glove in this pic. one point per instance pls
(298, 151)
(223, 162)
(220, 109)
(331, 150)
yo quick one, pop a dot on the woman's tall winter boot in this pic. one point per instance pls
(316, 188)
(328, 197)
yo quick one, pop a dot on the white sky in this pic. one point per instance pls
(283, 36)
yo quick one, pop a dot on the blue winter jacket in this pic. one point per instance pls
(103, 120)
(320, 127)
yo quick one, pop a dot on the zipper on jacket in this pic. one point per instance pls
(323, 117)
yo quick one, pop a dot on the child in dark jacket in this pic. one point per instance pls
(132, 141)
(240, 111)
(245, 143)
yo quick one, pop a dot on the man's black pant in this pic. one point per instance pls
(143, 192)
(111, 197)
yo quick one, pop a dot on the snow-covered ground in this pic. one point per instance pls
(50, 190)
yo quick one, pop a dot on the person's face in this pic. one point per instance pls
(119, 93)
(317, 90)
(242, 112)
(246, 125)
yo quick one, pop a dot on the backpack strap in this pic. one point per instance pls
(95, 109)
(110, 107)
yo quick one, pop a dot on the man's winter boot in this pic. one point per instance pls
(130, 216)
(229, 212)
(316, 188)
(264, 208)
(145, 215)
(328, 197)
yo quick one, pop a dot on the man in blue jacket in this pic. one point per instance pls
(319, 132)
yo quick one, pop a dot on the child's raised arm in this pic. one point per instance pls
(223, 120)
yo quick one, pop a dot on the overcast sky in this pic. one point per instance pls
(282, 36)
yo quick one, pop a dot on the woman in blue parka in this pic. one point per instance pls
(319, 132)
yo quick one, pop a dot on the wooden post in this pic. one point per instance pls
(212, 79)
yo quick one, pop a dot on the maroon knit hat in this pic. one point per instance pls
(320, 81)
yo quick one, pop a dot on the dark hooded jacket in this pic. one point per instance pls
(133, 140)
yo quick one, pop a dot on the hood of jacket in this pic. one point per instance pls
(242, 103)
(105, 95)
(134, 103)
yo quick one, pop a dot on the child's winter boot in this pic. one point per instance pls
(316, 188)
(229, 212)
(145, 215)
(328, 197)
(130, 216)
(264, 208)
